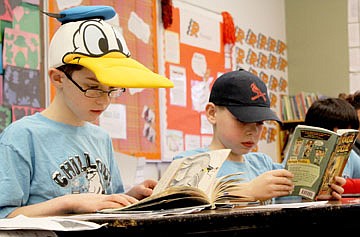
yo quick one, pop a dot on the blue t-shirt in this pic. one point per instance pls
(352, 168)
(42, 159)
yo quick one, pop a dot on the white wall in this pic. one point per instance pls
(266, 16)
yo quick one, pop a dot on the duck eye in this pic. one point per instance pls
(95, 40)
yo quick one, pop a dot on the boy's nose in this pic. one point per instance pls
(253, 128)
(103, 99)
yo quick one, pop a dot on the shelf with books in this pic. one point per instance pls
(293, 109)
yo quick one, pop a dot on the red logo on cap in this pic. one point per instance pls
(258, 92)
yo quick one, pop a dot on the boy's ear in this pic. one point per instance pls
(56, 77)
(210, 110)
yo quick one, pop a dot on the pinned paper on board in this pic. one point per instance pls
(139, 28)
(178, 93)
(21, 86)
(21, 49)
(26, 18)
(6, 12)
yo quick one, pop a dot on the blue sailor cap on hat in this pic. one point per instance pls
(86, 12)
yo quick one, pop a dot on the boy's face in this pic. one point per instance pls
(82, 107)
(238, 136)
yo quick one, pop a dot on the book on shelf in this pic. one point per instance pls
(192, 181)
(288, 111)
(294, 107)
(315, 156)
(300, 107)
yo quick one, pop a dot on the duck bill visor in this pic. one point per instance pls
(122, 72)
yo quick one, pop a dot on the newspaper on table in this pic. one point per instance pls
(46, 223)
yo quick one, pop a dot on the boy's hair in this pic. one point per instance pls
(70, 68)
(354, 99)
(244, 95)
(331, 113)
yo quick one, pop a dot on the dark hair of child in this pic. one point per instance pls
(331, 113)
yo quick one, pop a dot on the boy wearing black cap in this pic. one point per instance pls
(58, 162)
(238, 106)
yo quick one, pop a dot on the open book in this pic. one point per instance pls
(191, 181)
(316, 155)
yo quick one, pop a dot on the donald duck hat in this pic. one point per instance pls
(85, 38)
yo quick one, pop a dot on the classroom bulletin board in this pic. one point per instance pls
(133, 118)
(195, 55)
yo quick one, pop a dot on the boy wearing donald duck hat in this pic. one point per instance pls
(57, 161)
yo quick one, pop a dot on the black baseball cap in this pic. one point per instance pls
(244, 95)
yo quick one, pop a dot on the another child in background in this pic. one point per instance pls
(58, 162)
(352, 185)
(354, 100)
(237, 108)
(333, 114)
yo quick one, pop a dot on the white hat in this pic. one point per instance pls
(86, 39)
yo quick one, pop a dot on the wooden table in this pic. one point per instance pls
(330, 219)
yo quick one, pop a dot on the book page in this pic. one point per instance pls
(198, 171)
(59, 223)
(349, 131)
(229, 190)
(170, 198)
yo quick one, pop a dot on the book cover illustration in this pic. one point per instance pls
(316, 156)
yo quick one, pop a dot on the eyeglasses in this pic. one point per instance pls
(95, 93)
